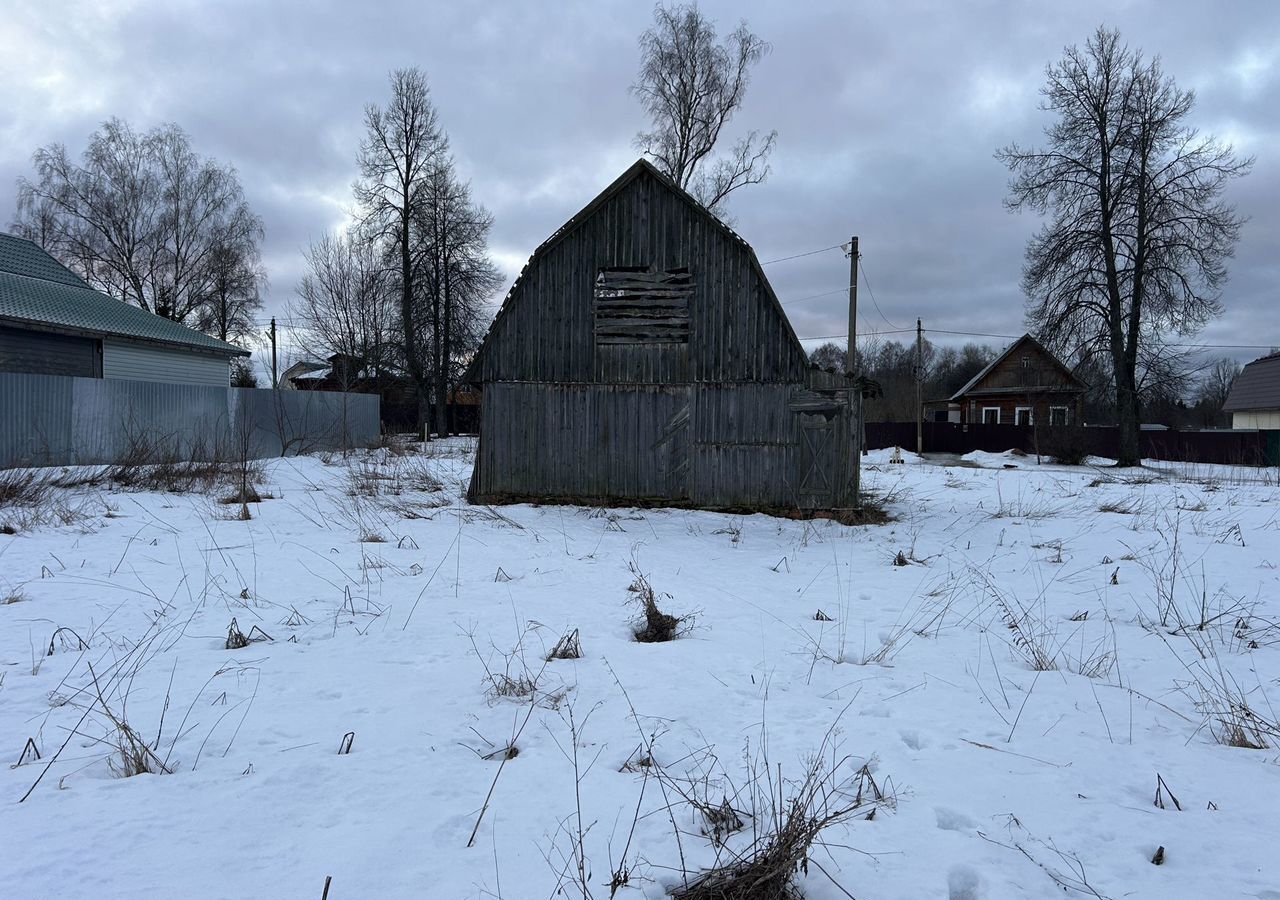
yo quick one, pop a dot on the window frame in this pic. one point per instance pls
(987, 409)
(1066, 415)
(1029, 410)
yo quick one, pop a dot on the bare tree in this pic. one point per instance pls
(236, 278)
(828, 356)
(1215, 385)
(345, 305)
(457, 277)
(146, 219)
(402, 143)
(691, 85)
(1138, 233)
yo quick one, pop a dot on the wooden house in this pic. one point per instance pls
(1024, 385)
(642, 357)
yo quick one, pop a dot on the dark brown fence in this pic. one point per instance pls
(1250, 448)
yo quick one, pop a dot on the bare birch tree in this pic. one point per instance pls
(143, 217)
(403, 140)
(691, 85)
(1137, 233)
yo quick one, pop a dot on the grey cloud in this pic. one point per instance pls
(888, 117)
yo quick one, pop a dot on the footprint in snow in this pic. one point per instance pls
(964, 883)
(913, 740)
(951, 820)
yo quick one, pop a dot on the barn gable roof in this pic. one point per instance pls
(1008, 351)
(641, 167)
(1256, 387)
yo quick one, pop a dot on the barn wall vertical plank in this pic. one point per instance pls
(565, 415)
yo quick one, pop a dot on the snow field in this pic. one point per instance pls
(1014, 660)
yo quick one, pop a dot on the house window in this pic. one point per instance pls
(1026, 362)
(642, 305)
(1057, 415)
(1022, 415)
(990, 415)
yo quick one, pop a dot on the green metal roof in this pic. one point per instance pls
(23, 257)
(39, 292)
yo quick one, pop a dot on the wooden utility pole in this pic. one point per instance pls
(851, 368)
(919, 388)
(275, 383)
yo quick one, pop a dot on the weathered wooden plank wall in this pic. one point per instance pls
(696, 408)
(546, 329)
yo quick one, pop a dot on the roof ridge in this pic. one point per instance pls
(79, 281)
(82, 286)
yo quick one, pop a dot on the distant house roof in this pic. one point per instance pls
(1008, 351)
(37, 291)
(1256, 387)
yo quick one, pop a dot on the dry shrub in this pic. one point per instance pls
(164, 465)
(658, 626)
(766, 869)
(1067, 445)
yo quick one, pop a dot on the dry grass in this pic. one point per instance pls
(1124, 506)
(568, 647)
(34, 498)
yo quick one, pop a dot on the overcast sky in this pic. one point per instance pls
(888, 115)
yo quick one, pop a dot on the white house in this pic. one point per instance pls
(1254, 399)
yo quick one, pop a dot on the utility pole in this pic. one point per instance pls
(919, 388)
(851, 368)
(275, 384)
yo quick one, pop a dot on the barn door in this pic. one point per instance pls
(673, 451)
(818, 458)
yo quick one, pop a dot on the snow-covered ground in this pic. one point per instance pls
(1018, 660)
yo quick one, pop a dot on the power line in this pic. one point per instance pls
(769, 262)
(845, 334)
(863, 270)
(816, 296)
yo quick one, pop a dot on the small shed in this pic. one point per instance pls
(642, 357)
(1254, 398)
(1024, 385)
(53, 323)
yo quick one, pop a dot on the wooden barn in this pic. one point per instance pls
(642, 357)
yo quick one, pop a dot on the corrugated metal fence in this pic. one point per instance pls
(59, 420)
(1247, 448)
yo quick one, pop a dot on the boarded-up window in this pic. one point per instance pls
(642, 305)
